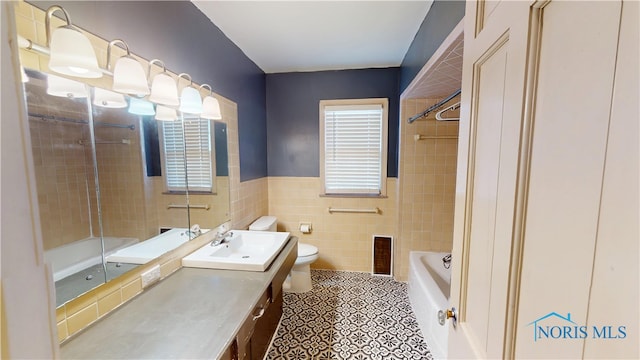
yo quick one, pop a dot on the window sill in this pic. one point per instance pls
(367, 196)
(190, 193)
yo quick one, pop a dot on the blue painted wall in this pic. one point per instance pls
(293, 120)
(443, 16)
(187, 41)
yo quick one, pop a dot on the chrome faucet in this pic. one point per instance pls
(446, 261)
(193, 232)
(221, 237)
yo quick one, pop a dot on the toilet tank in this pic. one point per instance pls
(265, 223)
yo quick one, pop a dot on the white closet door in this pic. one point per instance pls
(575, 77)
(547, 194)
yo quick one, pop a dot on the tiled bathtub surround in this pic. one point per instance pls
(349, 315)
(427, 176)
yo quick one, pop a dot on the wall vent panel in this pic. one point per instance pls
(382, 255)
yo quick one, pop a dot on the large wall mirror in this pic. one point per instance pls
(115, 189)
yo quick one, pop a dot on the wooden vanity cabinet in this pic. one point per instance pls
(255, 334)
(231, 352)
(254, 337)
(265, 328)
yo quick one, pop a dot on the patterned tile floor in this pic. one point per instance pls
(349, 315)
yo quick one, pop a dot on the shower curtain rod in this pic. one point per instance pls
(434, 107)
(81, 122)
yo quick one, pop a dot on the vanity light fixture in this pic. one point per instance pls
(109, 99)
(70, 51)
(62, 87)
(164, 113)
(164, 89)
(128, 74)
(210, 105)
(190, 100)
(140, 107)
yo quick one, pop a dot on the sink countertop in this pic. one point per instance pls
(194, 314)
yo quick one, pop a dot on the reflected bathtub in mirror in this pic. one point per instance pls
(143, 252)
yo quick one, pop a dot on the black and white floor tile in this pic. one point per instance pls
(349, 315)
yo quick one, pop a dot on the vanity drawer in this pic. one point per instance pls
(246, 331)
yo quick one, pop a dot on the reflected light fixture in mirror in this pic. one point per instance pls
(210, 105)
(109, 99)
(140, 107)
(128, 74)
(70, 51)
(164, 89)
(61, 87)
(164, 113)
(190, 100)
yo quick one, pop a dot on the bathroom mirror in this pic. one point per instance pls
(130, 207)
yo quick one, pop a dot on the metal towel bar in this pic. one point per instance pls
(417, 137)
(364, 211)
(185, 206)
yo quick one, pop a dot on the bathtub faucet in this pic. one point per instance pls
(446, 261)
(193, 232)
(221, 237)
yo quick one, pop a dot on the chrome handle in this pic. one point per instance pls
(443, 315)
(259, 314)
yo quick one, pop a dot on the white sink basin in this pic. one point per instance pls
(245, 250)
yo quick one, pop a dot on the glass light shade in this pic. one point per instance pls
(190, 101)
(71, 54)
(164, 90)
(109, 99)
(140, 107)
(211, 108)
(59, 86)
(129, 77)
(164, 113)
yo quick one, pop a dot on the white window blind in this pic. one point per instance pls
(193, 145)
(353, 149)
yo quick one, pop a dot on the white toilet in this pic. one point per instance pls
(299, 279)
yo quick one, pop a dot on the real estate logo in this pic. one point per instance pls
(556, 326)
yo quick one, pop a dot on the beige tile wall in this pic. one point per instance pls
(218, 203)
(249, 201)
(427, 173)
(62, 179)
(344, 240)
(121, 176)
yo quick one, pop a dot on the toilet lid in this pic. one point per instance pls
(306, 250)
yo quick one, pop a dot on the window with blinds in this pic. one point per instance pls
(190, 144)
(353, 146)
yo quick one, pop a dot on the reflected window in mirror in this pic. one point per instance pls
(189, 140)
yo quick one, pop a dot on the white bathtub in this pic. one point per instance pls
(71, 258)
(429, 287)
(145, 251)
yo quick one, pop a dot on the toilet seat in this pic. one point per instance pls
(306, 250)
(307, 254)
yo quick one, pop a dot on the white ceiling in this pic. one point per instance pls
(287, 36)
